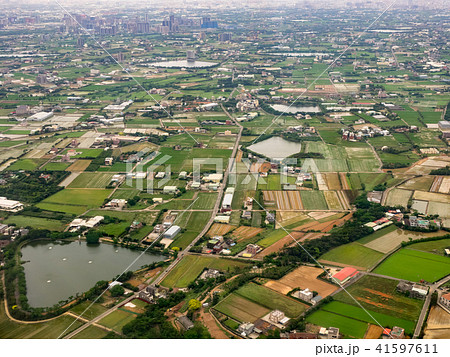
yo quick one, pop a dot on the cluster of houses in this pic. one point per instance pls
(364, 132)
(413, 290)
(12, 231)
(274, 319)
(419, 222)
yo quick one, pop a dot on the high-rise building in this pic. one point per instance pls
(80, 42)
(226, 36)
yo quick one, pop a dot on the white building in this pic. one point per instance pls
(227, 200)
(172, 232)
(10, 205)
(40, 116)
(306, 294)
(170, 189)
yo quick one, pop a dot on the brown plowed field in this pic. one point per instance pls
(344, 182)
(333, 181)
(244, 232)
(218, 229)
(79, 165)
(303, 277)
(343, 199)
(284, 200)
(373, 332)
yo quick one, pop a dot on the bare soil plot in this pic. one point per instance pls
(373, 332)
(219, 229)
(79, 166)
(244, 232)
(438, 324)
(333, 181)
(302, 277)
(445, 185)
(332, 200)
(284, 200)
(420, 206)
(431, 196)
(418, 183)
(344, 182)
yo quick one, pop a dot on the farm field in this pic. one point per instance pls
(302, 277)
(431, 196)
(271, 238)
(25, 164)
(357, 313)
(91, 180)
(117, 320)
(422, 183)
(347, 326)
(436, 247)
(218, 229)
(93, 311)
(414, 265)
(313, 200)
(394, 238)
(332, 200)
(333, 181)
(379, 295)
(36, 222)
(353, 254)
(191, 266)
(50, 329)
(271, 299)
(241, 309)
(79, 165)
(398, 197)
(91, 332)
(438, 323)
(244, 233)
(284, 200)
(74, 201)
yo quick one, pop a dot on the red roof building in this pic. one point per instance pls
(345, 275)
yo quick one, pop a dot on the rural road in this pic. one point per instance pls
(186, 250)
(426, 305)
(216, 208)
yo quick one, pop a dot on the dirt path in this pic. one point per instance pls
(215, 331)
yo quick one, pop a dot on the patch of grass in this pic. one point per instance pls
(117, 320)
(91, 332)
(357, 313)
(271, 299)
(347, 326)
(377, 234)
(25, 164)
(414, 265)
(92, 310)
(50, 329)
(353, 254)
(313, 200)
(35, 222)
(191, 266)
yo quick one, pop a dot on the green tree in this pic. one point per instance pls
(194, 304)
(117, 290)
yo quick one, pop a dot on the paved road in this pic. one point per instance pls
(99, 317)
(426, 305)
(216, 206)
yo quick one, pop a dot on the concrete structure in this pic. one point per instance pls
(333, 333)
(109, 161)
(445, 300)
(170, 190)
(306, 294)
(215, 178)
(10, 205)
(222, 219)
(227, 200)
(246, 328)
(172, 232)
(185, 322)
(40, 116)
(276, 316)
